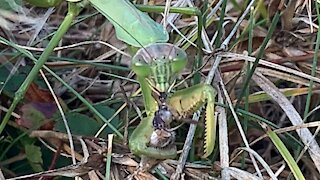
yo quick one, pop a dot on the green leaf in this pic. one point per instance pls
(107, 113)
(12, 85)
(34, 157)
(132, 26)
(81, 124)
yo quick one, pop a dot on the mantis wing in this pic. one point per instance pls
(132, 26)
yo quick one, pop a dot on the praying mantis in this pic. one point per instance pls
(156, 67)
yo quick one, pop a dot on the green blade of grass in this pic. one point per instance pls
(259, 55)
(259, 97)
(285, 154)
(109, 156)
(220, 24)
(314, 64)
(247, 91)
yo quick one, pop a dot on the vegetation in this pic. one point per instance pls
(69, 98)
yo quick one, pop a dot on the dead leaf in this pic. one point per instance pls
(35, 94)
(37, 114)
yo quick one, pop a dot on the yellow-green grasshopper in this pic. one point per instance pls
(156, 67)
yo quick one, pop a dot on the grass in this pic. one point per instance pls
(77, 63)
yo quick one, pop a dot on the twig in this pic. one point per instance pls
(243, 136)
(223, 137)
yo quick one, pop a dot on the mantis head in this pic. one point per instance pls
(159, 63)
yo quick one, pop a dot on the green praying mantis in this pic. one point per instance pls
(156, 67)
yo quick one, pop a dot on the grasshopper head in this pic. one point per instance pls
(159, 63)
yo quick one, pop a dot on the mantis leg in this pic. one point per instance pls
(149, 102)
(186, 101)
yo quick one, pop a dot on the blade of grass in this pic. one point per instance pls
(259, 55)
(247, 92)
(262, 162)
(109, 156)
(241, 174)
(271, 65)
(314, 64)
(220, 24)
(223, 136)
(304, 133)
(262, 96)
(285, 154)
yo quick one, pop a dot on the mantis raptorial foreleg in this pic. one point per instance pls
(140, 142)
(186, 101)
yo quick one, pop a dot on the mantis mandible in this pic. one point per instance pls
(156, 67)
